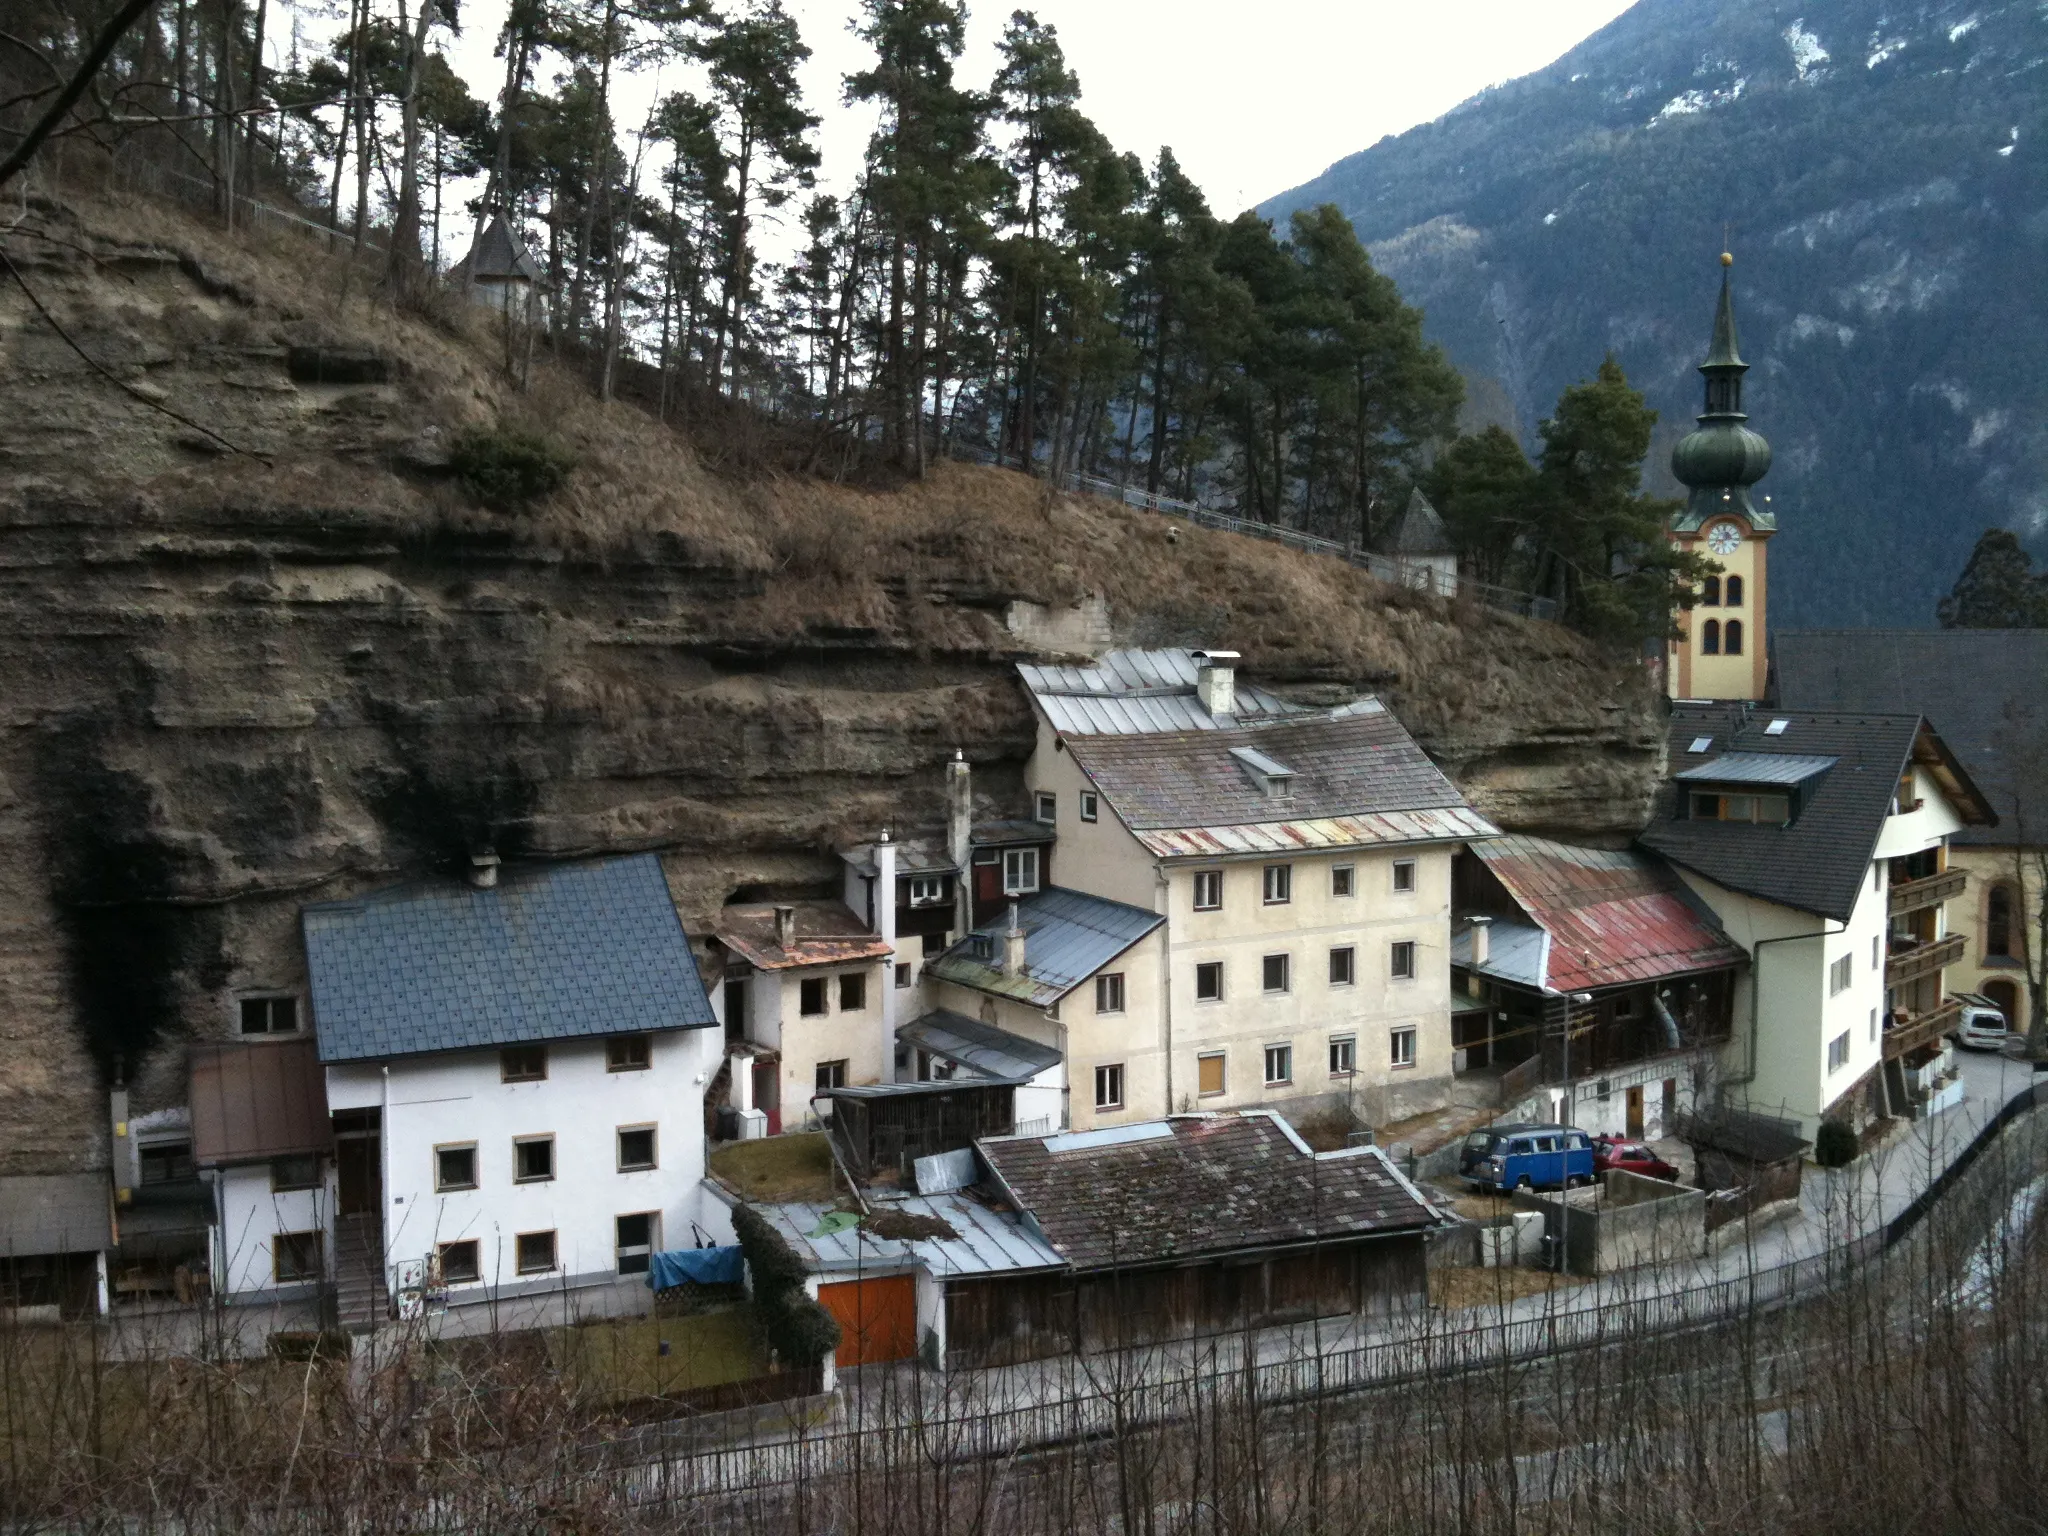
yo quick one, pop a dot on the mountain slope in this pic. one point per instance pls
(1882, 169)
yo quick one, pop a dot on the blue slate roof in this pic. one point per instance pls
(557, 952)
(1068, 937)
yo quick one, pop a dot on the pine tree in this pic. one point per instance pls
(1998, 589)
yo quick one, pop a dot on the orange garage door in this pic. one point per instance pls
(877, 1318)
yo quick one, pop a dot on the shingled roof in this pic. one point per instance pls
(1980, 688)
(553, 952)
(826, 933)
(1197, 1184)
(1612, 917)
(1419, 530)
(1356, 777)
(1817, 863)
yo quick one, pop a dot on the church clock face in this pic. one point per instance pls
(1724, 538)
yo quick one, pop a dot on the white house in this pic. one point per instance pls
(515, 1074)
(1820, 842)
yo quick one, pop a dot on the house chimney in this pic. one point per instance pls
(1216, 682)
(1482, 947)
(785, 928)
(960, 838)
(483, 869)
(1013, 946)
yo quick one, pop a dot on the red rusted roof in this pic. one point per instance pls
(827, 933)
(1612, 917)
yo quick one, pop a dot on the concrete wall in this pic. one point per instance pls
(1629, 1221)
(456, 1098)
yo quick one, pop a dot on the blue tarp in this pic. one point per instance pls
(700, 1266)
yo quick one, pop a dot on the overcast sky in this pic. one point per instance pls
(1254, 96)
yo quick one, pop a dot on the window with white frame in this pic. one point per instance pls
(1279, 884)
(1343, 1055)
(1109, 1086)
(1401, 1044)
(1209, 982)
(1343, 966)
(1273, 973)
(1020, 871)
(1840, 974)
(635, 1237)
(1343, 879)
(1091, 805)
(1109, 993)
(1208, 890)
(1048, 806)
(1279, 1065)
(1401, 960)
(1404, 875)
(829, 1074)
(1838, 1052)
(927, 890)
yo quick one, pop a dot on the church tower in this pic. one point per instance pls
(1720, 654)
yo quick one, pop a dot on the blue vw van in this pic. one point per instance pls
(1499, 1158)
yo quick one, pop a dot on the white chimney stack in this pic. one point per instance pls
(960, 837)
(1013, 946)
(483, 869)
(1482, 947)
(785, 928)
(1216, 682)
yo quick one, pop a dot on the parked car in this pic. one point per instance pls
(1504, 1157)
(1982, 1025)
(1611, 1152)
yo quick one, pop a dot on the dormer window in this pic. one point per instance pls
(1274, 779)
(927, 890)
(1763, 810)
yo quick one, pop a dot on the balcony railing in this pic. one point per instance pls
(1923, 959)
(1928, 890)
(1921, 1029)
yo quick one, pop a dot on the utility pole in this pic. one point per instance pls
(1564, 1195)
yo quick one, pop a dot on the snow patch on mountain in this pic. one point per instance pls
(1988, 426)
(1808, 56)
(1688, 102)
(1807, 327)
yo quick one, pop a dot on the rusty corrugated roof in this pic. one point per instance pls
(1613, 917)
(257, 1099)
(827, 933)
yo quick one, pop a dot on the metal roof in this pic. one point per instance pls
(498, 256)
(1068, 937)
(1419, 531)
(987, 1242)
(1516, 952)
(43, 1213)
(1785, 769)
(1609, 918)
(981, 1048)
(552, 952)
(1454, 824)
(914, 856)
(1134, 692)
(257, 1099)
(825, 933)
(1357, 778)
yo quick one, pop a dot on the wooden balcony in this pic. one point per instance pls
(1923, 959)
(1921, 1029)
(1928, 890)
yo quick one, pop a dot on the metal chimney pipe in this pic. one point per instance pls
(483, 869)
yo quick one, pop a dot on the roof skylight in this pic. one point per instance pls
(1701, 744)
(1776, 727)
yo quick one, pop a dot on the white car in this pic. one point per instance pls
(1982, 1025)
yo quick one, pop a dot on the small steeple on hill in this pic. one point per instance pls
(1881, 174)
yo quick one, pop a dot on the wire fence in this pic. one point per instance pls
(1419, 575)
(149, 176)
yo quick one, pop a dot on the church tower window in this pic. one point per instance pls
(1731, 644)
(1710, 638)
(1710, 592)
(1734, 598)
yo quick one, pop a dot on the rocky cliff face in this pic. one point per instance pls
(256, 648)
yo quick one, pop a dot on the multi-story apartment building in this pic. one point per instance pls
(1820, 843)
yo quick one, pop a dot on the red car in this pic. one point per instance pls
(1610, 1152)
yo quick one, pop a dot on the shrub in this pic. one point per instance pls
(1835, 1144)
(798, 1328)
(504, 469)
